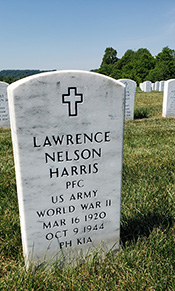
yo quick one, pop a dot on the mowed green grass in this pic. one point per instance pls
(146, 259)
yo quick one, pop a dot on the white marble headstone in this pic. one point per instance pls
(153, 86)
(141, 86)
(4, 110)
(147, 86)
(169, 99)
(129, 97)
(161, 86)
(67, 131)
(157, 85)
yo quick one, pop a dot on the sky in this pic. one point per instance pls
(73, 34)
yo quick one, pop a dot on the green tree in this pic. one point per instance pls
(108, 61)
(139, 65)
(110, 56)
(127, 58)
(134, 65)
(165, 66)
(143, 63)
(125, 61)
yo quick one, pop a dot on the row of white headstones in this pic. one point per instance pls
(168, 89)
(168, 109)
(147, 86)
(67, 131)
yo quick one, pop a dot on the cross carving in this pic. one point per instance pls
(72, 99)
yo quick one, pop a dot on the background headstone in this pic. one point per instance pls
(141, 86)
(169, 99)
(147, 86)
(4, 110)
(161, 86)
(67, 131)
(153, 86)
(157, 85)
(129, 97)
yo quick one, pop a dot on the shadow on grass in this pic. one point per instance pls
(134, 228)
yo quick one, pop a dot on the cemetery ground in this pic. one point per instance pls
(146, 257)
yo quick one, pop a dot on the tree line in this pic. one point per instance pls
(139, 65)
(10, 76)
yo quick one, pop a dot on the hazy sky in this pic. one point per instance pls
(73, 34)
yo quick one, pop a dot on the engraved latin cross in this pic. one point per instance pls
(72, 99)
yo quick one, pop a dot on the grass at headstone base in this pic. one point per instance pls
(146, 259)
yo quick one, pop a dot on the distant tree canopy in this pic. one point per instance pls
(139, 65)
(108, 61)
(10, 76)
